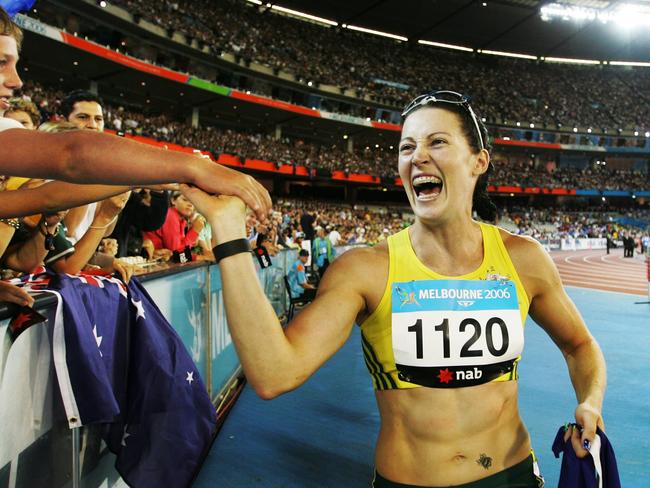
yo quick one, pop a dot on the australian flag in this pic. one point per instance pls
(119, 363)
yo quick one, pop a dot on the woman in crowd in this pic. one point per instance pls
(180, 230)
(441, 307)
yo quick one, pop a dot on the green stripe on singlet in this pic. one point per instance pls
(373, 369)
(375, 380)
(513, 373)
(385, 379)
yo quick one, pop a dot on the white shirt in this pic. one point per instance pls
(334, 237)
(84, 223)
(6, 123)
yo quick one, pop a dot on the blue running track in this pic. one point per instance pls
(323, 434)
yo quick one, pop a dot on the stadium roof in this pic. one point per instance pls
(499, 25)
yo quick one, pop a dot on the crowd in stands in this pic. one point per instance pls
(523, 172)
(508, 170)
(556, 223)
(298, 220)
(506, 90)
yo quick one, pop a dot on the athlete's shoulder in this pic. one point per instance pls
(363, 266)
(533, 264)
(364, 257)
(519, 244)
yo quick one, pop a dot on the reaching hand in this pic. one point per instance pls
(216, 178)
(13, 294)
(226, 214)
(124, 270)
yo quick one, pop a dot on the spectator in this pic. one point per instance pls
(25, 112)
(297, 277)
(84, 111)
(322, 251)
(307, 224)
(144, 212)
(179, 230)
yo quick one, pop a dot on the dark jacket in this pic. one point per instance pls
(137, 218)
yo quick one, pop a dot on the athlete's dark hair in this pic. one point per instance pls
(481, 202)
(303, 252)
(67, 105)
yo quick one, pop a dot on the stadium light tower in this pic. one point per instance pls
(624, 14)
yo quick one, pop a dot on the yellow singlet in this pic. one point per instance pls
(376, 330)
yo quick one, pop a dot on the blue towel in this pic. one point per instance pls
(596, 471)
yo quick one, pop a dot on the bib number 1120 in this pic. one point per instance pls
(466, 351)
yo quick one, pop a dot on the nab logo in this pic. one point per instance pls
(469, 374)
(465, 303)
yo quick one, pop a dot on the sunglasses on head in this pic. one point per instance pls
(445, 96)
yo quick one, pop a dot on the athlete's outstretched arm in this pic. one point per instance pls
(91, 157)
(274, 359)
(556, 313)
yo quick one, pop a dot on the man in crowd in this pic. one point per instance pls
(334, 235)
(298, 283)
(307, 224)
(322, 251)
(84, 110)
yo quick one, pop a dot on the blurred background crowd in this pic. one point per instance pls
(157, 224)
(506, 90)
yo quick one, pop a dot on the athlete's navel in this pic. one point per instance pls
(459, 458)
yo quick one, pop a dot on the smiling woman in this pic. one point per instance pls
(441, 307)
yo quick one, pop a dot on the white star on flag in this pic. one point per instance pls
(190, 377)
(126, 434)
(138, 304)
(98, 339)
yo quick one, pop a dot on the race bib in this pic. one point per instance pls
(455, 333)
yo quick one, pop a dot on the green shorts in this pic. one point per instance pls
(522, 475)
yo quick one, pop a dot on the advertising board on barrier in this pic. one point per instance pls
(582, 244)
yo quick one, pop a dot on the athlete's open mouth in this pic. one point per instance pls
(427, 186)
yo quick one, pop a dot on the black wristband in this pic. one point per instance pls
(230, 248)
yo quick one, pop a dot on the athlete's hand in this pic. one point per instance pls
(216, 178)
(226, 214)
(589, 418)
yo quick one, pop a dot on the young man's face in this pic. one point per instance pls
(87, 115)
(9, 79)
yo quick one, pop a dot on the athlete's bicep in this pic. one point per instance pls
(554, 310)
(324, 325)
